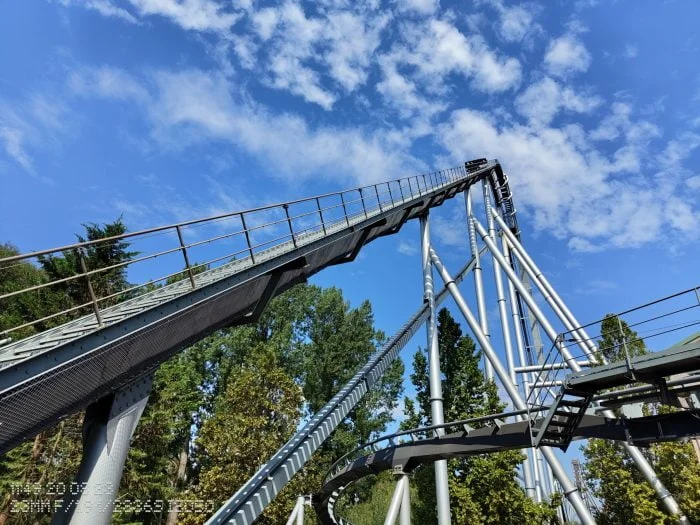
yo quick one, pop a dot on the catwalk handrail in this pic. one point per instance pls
(348, 206)
(552, 369)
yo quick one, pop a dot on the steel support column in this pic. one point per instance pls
(405, 515)
(436, 408)
(569, 489)
(535, 490)
(505, 330)
(478, 281)
(297, 515)
(396, 501)
(586, 343)
(107, 431)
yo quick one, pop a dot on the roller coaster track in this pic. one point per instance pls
(103, 355)
(404, 451)
(61, 370)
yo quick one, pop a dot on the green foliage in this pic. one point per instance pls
(107, 254)
(615, 481)
(483, 489)
(616, 338)
(53, 456)
(19, 309)
(372, 509)
(258, 412)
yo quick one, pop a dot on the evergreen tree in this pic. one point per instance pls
(483, 489)
(258, 413)
(21, 308)
(53, 456)
(305, 346)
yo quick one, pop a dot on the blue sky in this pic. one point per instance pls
(164, 110)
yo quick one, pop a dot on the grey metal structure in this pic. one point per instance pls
(435, 378)
(108, 428)
(60, 370)
(406, 450)
(94, 359)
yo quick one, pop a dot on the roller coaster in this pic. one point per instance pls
(102, 353)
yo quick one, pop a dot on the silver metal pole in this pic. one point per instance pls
(586, 343)
(437, 415)
(395, 505)
(556, 309)
(530, 488)
(297, 515)
(505, 330)
(543, 285)
(478, 282)
(520, 345)
(107, 430)
(405, 516)
(551, 333)
(300, 515)
(499, 291)
(569, 489)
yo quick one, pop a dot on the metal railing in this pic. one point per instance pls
(663, 321)
(171, 253)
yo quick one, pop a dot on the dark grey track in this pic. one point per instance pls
(55, 373)
(510, 436)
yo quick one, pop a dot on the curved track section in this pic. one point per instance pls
(404, 451)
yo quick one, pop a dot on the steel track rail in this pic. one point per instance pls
(423, 447)
(252, 498)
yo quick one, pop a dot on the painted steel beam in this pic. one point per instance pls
(509, 436)
(39, 386)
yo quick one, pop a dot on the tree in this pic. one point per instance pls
(110, 254)
(54, 455)
(614, 478)
(258, 413)
(483, 489)
(302, 350)
(25, 307)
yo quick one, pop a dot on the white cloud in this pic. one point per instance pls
(402, 93)
(631, 51)
(407, 248)
(567, 55)
(103, 7)
(12, 140)
(36, 123)
(515, 22)
(196, 15)
(415, 72)
(693, 182)
(301, 49)
(541, 101)
(352, 42)
(193, 105)
(423, 7)
(265, 22)
(106, 82)
(585, 199)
